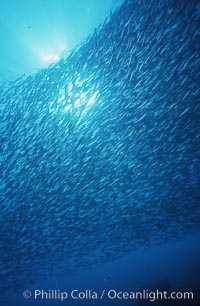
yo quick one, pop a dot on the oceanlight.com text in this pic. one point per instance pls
(112, 294)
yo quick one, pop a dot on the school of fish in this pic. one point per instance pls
(99, 153)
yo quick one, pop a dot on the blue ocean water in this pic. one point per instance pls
(99, 150)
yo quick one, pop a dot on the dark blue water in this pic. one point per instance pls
(99, 184)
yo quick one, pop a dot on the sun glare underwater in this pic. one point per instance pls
(37, 33)
(99, 150)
